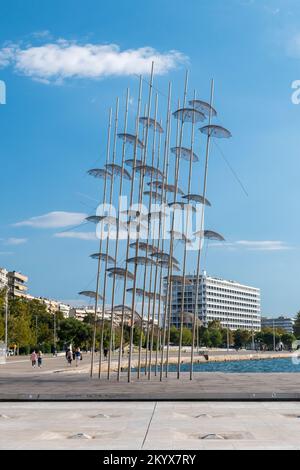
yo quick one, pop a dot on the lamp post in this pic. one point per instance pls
(54, 333)
(274, 337)
(6, 322)
(36, 330)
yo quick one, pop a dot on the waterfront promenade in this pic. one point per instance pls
(57, 381)
(40, 409)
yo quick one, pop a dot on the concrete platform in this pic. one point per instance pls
(205, 386)
(149, 426)
(56, 381)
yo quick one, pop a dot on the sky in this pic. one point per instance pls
(65, 63)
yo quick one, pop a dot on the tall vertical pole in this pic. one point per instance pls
(157, 270)
(99, 260)
(108, 232)
(168, 288)
(105, 269)
(137, 242)
(36, 330)
(149, 234)
(118, 233)
(173, 222)
(54, 332)
(185, 247)
(161, 334)
(6, 321)
(128, 236)
(195, 319)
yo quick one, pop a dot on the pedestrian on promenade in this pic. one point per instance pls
(105, 350)
(77, 356)
(33, 359)
(69, 357)
(40, 359)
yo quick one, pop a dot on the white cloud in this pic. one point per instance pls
(265, 245)
(6, 56)
(41, 34)
(78, 235)
(68, 59)
(15, 241)
(57, 219)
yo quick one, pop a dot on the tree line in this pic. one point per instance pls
(31, 326)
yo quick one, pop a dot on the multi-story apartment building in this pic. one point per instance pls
(17, 284)
(80, 313)
(283, 323)
(3, 278)
(64, 309)
(235, 305)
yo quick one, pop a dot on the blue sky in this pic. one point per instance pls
(53, 129)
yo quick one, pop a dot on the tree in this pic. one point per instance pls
(205, 338)
(266, 337)
(2, 313)
(75, 332)
(187, 337)
(174, 335)
(242, 338)
(297, 326)
(288, 340)
(216, 338)
(20, 332)
(227, 334)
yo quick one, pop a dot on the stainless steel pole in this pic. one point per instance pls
(201, 232)
(99, 260)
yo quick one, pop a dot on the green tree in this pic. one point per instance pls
(216, 338)
(75, 332)
(288, 340)
(242, 338)
(20, 332)
(187, 337)
(174, 335)
(205, 338)
(297, 326)
(227, 333)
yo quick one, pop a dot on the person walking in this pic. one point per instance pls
(40, 359)
(77, 356)
(69, 357)
(105, 350)
(33, 359)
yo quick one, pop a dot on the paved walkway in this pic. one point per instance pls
(56, 381)
(151, 425)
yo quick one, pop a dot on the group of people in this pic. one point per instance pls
(36, 359)
(74, 356)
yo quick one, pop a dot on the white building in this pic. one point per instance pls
(235, 305)
(17, 283)
(3, 278)
(64, 309)
(80, 313)
(283, 323)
